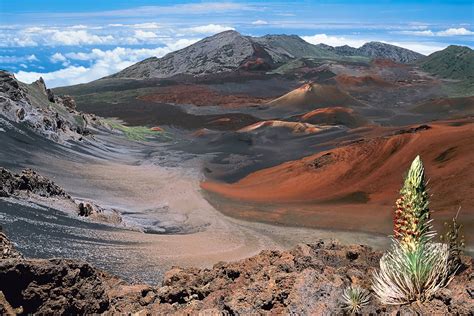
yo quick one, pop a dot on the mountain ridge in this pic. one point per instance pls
(230, 51)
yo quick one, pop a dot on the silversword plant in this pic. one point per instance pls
(415, 267)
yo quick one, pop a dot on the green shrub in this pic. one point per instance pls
(354, 298)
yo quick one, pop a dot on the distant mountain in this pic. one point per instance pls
(454, 62)
(229, 51)
(222, 52)
(375, 50)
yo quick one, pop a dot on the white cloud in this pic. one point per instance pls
(149, 25)
(57, 57)
(104, 63)
(448, 32)
(153, 11)
(32, 57)
(420, 47)
(419, 33)
(260, 22)
(66, 76)
(17, 59)
(181, 43)
(33, 29)
(455, 32)
(20, 42)
(144, 35)
(79, 38)
(78, 27)
(208, 29)
(333, 40)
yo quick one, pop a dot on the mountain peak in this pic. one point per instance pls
(225, 51)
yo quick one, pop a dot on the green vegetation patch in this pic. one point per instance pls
(454, 62)
(137, 133)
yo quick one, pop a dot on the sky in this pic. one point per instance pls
(71, 42)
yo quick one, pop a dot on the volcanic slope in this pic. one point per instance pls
(313, 95)
(368, 168)
(446, 107)
(335, 116)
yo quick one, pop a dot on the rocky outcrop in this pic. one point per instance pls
(43, 112)
(31, 186)
(56, 286)
(28, 181)
(306, 280)
(7, 249)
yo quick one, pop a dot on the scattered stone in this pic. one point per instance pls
(85, 209)
(321, 161)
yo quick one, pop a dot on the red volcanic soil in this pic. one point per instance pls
(355, 186)
(199, 95)
(462, 106)
(335, 116)
(256, 64)
(357, 81)
(312, 95)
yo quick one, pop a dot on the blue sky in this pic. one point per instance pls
(69, 42)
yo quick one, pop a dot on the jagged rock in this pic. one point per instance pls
(10, 87)
(307, 280)
(20, 113)
(7, 250)
(40, 110)
(42, 87)
(28, 181)
(56, 286)
(66, 100)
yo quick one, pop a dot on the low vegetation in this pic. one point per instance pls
(455, 240)
(415, 267)
(354, 298)
(137, 133)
